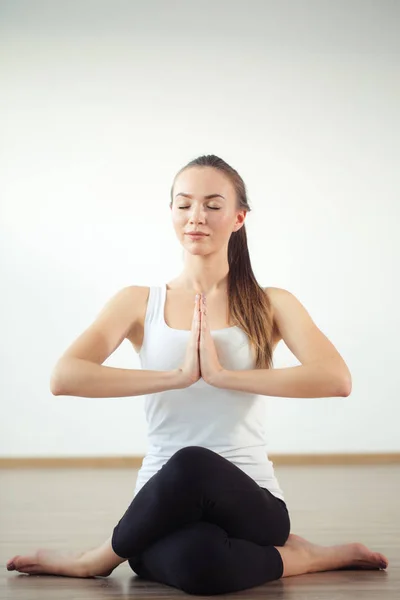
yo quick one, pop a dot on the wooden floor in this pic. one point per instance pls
(77, 509)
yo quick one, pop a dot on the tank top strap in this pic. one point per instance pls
(155, 305)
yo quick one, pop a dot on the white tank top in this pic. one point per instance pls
(228, 422)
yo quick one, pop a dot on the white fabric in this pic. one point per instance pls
(228, 422)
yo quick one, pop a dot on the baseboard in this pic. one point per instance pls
(135, 462)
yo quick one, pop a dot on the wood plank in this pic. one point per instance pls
(134, 462)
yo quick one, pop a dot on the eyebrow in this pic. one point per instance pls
(205, 197)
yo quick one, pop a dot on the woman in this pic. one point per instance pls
(208, 515)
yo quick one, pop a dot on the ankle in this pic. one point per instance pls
(296, 561)
(100, 561)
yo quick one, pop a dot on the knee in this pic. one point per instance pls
(201, 587)
(187, 459)
(207, 581)
(204, 576)
(200, 560)
(191, 453)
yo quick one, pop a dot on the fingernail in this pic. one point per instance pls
(11, 567)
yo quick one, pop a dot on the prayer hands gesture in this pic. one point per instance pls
(201, 358)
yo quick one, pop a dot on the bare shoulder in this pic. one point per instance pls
(282, 301)
(271, 292)
(277, 296)
(129, 305)
(288, 313)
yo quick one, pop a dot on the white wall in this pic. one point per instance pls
(102, 102)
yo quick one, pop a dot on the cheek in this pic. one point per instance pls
(225, 223)
(177, 219)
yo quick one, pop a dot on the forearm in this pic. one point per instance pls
(78, 377)
(303, 381)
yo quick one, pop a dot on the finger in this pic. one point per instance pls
(203, 322)
(195, 322)
(196, 308)
(198, 320)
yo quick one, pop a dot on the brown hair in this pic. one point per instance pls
(249, 305)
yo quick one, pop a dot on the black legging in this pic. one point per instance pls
(202, 525)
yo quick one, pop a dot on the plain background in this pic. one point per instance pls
(102, 103)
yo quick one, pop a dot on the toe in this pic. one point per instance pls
(383, 563)
(11, 566)
(23, 562)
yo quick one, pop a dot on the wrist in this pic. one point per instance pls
(219, 378)
(178, 379)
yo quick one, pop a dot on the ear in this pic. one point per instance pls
(240, 219)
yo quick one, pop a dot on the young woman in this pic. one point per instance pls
(208, 515)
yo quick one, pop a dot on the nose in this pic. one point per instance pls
(196, 215)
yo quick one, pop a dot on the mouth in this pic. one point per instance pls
(197, 235)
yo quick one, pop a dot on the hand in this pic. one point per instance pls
(189, 372)
(210, 366)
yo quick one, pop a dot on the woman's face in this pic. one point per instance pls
(216, 216)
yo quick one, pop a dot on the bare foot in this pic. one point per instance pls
(99, 561)
(51, 562)
(341, 556)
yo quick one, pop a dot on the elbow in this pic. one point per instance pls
(338, 383)
(56, 379)
(349, 382)
(346, 386)
(64, 376)
(339, 378)
(344, 381)
(55, 388)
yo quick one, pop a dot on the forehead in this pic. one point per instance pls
(202, 182)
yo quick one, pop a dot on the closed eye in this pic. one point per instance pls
(212, 207)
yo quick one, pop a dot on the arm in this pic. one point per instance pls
(80, 370)
(322, 373)
(318, 380)
(79, 377)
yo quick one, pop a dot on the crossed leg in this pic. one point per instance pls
(298, 554)
(172, 497)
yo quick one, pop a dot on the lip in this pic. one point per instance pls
(197, 234)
